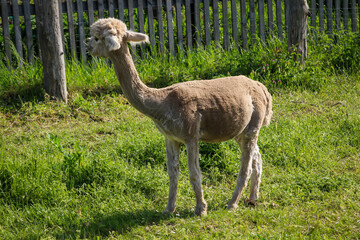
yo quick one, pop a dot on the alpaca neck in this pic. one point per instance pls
(136, 92)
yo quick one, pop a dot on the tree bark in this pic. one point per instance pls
(297, 28)
(51, 48)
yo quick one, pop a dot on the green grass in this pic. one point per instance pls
(95, 168)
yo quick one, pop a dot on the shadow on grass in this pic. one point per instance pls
(121, 223)
(14, 98)
(98, 91)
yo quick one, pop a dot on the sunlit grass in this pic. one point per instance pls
(95, 167)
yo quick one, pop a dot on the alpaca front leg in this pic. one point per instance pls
(256, 176)
(172, 163)
(195, 176)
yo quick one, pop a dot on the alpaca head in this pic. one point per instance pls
(110, 34)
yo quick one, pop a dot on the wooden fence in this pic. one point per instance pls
(172, 25)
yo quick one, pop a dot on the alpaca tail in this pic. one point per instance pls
(269, 111)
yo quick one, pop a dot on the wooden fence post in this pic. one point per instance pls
(51, 48)
(297, 28)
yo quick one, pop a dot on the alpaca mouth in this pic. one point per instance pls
(87, 46)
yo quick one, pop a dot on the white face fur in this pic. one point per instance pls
(101, 46)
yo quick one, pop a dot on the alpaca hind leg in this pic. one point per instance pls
(256, 176)
(172, 163)
(247, 142)
(195, 176)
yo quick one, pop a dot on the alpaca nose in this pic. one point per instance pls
(87, 45)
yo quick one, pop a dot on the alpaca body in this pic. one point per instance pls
(186, 113)
(209, 110)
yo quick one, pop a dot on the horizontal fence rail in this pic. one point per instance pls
(172, 25)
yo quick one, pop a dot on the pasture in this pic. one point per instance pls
(95, 167)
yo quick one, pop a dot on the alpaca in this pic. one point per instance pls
(186, 113)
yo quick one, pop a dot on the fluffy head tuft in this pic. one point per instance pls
(108, 27)
(108, 34)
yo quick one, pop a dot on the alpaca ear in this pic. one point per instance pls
(112, 43)
(136, 37)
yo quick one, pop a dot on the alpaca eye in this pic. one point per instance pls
(96, 38)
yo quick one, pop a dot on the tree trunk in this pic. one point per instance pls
(297, 28)
(51, 48)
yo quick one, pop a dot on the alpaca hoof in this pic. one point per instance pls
(166, 212)
(169, 210)
(201, 210)
(250, 203)
(232, 206)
